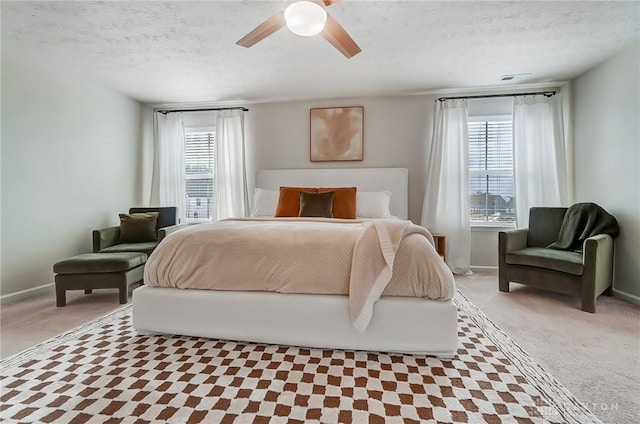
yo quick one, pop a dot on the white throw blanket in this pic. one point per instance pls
(372, 266)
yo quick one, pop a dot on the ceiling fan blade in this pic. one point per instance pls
(330, 2)
(338, 37)
(263, 30)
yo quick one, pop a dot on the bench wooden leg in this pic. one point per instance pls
(503, 285)
(61, 296)
(124, 294)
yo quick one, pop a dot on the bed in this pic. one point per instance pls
(399, 324)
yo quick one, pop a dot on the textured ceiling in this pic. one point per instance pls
(163, 52)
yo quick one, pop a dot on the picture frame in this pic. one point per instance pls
(336, 134)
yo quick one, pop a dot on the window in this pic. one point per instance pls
(491, 184)
(199, 151)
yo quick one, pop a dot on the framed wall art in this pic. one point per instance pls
(337, 133)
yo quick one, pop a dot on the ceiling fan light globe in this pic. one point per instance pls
(305, 17)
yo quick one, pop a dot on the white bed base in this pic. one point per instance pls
(402, 325)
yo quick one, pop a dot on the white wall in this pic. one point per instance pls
(606, 104)
(70, 155)
(396, 134)
(144, 173)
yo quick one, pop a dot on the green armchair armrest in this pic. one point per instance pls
(598, 264)
(512, 240)
(105, 237)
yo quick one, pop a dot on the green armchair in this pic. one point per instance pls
(524, 258)
(107, 240)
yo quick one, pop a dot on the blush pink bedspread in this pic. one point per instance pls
(362, 259)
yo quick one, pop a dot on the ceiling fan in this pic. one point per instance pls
(306, 18)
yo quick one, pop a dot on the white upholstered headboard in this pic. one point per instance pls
(394, 180)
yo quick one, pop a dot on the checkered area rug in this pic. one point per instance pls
(104, 372)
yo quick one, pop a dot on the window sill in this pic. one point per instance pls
(192, 221)
(492, 226)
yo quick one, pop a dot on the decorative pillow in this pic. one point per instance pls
(316, 204)
(373, 204)
(289, 200)
(265, 202)
(138, 227)
(344, 202)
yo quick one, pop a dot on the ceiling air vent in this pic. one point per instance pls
(514, 77)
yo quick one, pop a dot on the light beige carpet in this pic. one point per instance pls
(597, 356)
(104, 372)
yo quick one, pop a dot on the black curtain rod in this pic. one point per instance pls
(244, 109)
(544, 93)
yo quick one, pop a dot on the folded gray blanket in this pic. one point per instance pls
(581, 221)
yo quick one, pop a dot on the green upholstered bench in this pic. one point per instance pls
(99, 271)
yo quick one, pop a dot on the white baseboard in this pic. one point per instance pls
(484, 268)
(23, 294)
(627, 297)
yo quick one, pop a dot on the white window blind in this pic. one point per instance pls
(199, 151)
(491, 182)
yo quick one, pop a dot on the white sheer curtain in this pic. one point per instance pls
(230, 181)
(540, 166)
(168, 181)
(446, 200)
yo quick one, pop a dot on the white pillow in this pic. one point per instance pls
(265, 202)
(373, 204)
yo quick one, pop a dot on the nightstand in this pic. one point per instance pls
(441, 244)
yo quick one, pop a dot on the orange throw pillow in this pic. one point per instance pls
(289, 200)
(344, 201)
